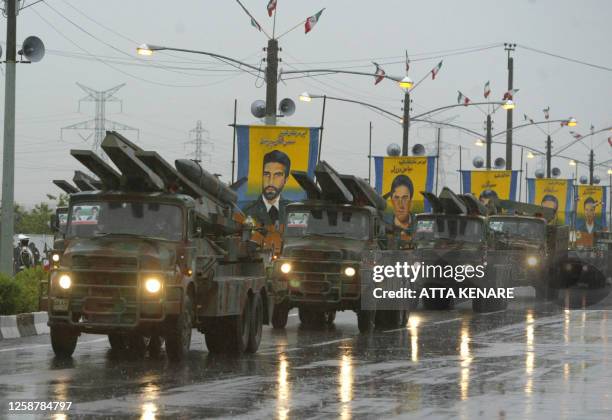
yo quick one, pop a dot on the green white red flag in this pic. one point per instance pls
(312, 21)
(462, 99)
(509, 95)
(436, 70)
(487, 89)
(379, 74)
(255, 24)
(271, 7)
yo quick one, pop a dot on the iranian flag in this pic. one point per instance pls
(312, 21)
(462, 99)
(487, 89)
(255, 24)
(271, 7)
(436, 70)
(509, 95)
(379, 75)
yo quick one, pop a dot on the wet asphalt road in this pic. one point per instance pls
(533, 360)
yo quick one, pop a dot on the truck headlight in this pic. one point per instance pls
(349, 271)
(285, 268)
(532, 261)
(55, 257)
(65, 281)
(152, 285)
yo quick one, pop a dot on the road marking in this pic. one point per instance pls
(47, 345)
(324, 343)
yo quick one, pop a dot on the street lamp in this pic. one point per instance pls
(572, 162)
(406, 83)
(571, 122)
(530, 155)
(509, 104)
(479, 143)
(305, 97)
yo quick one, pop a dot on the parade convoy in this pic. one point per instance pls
(151, 252)
(147, 253)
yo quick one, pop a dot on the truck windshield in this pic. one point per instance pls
(443, 230)
(519, 228)
(152, 220)
(327, 222)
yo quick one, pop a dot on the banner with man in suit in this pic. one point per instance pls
(553, 193)
(266, 157)
(590, 213)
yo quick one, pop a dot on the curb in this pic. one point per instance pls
(23, 325)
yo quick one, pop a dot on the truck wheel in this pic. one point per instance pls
(155, 345)
(365, 320)
(63, 342)
(238, 329)
(280, 315)
(178, 340)
(256, 324)
(137, 345)
(330, 317)
(310, 318)
(437, 304)
(388, 319)
(117, 342)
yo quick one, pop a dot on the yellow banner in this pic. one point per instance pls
(555, 194)
(400, 179)
(501, 184)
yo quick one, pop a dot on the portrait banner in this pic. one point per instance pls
(502, 184)
(291, 148)
(590, 212)
(400, 179)
(553, 193)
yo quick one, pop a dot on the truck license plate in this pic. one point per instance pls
(60, 304)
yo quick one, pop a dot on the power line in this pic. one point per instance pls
(573, 60)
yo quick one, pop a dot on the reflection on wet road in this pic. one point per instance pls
(534, 360)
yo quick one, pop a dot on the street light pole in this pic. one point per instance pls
(8, 164)
(591, 166)
(406, 123)
(321, 129)
(271, 81)
(489, 140)
(509, 48)
(548, 155)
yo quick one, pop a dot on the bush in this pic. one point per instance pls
(20, 294)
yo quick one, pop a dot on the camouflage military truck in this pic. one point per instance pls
(455, 234)
(324, 239)
(155, 252)
(535, 246)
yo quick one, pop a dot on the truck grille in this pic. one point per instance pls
(311, 254)
(321, 281)
(82, 262)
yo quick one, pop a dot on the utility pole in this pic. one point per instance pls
(99, 124)
(198, 142)
(8, 161)
(271, 81)
(406, 123)
(438, 140)
(489, 141)
(548, 155)
(510, 48)
(370, 157)
(591, 166)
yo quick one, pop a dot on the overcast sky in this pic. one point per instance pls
(165, 103)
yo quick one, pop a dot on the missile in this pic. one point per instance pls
(362, 192)
(205, 180)
(85, 182)
(313, 192)
(109, 177)
(331, 184)
(66, 186)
